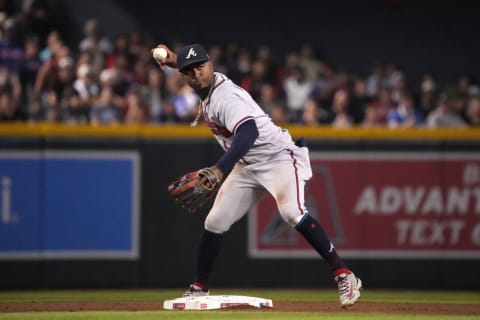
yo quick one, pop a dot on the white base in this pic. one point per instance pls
(215, 302)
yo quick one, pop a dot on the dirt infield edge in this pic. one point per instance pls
(361, 307)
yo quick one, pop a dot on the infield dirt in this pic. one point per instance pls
(361, 307)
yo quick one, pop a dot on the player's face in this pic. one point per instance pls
(199, 76)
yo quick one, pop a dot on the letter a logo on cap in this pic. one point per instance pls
(191, 52)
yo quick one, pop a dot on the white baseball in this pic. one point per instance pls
(160, 54)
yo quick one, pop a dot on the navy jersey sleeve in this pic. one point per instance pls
(245, 136)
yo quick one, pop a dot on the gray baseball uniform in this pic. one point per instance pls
(274, 164)
(267, 161)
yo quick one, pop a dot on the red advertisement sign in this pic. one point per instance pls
(382, 205)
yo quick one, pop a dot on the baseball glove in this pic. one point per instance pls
(195, 189)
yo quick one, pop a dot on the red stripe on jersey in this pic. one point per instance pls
(297, 183)
(240, 122)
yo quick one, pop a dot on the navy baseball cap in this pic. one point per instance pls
(190, 54)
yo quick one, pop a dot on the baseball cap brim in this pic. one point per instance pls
(190, 55)
(190, 63)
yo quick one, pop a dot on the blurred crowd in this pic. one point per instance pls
(103, 80)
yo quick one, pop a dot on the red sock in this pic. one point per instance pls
(340, 271)
(198, 284)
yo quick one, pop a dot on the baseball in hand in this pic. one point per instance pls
(160, 54)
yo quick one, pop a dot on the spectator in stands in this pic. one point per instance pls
(86, 93)
(64, 83)
(457, 100)
(428, 94)
(358, 100)
(110, 78)
(76, 112)
(311, 113)
(241, 66)
(153, 93)
(371, 118)
(268, 97)
(284, 70)
(382, 105)
(309, 61)
(50, 110)
(340, 106)
(8, 110)
(467, 85)
(140, 72)
(138, 48)
(255, 79)
(169, 116)
(264, 55)
(442, 116)
(215, 52)
(136, 110)
(397, 85)
(405, 115)
(48, 72)
(120, 47)
(120, 78)
(11, 49)
(184, 99)
(229, 60)
(374, 80)
(297, 89)
(279, 114)
(473, 111)
(103, 110)
(97, 45)
(86, 84)
(53, 42)
(93, 39)
(390, 76)
(9, 83)
(326, 84)
(28, 70)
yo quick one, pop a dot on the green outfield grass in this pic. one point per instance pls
(206, 315)
(371, 295)
(400, 296)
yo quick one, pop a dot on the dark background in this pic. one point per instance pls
(440, 37)
(419, 36)
(169, 236)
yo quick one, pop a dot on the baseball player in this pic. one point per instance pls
(259, 158)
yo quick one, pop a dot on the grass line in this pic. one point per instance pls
(399, 296)
(207, 315)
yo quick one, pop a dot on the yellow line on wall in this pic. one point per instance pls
(185, 131)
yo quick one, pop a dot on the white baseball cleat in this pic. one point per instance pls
(195, 291)
(349, 287)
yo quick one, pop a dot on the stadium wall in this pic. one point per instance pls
(86, 207)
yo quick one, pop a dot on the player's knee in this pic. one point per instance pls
(215, 224)
(291, 214)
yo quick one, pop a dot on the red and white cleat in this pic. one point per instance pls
(195, 291)
(349, 287)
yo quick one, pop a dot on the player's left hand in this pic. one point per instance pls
(195, 189)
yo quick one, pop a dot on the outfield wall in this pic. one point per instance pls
(88, 207)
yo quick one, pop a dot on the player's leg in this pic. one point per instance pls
(287, 188)
(286, 182)
(235, 197)
(349, 285)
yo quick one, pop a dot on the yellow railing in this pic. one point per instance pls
(185, 131)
